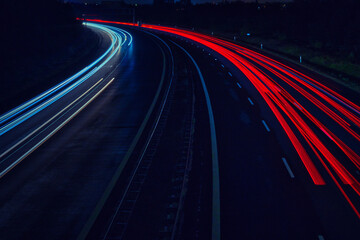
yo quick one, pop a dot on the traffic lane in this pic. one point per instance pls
(324, 114)
(25, 144)
(52, 193)
(330, 204)
(328, 116)
(320, 109)
(24, 129)
(103, 42)
(79, 89)
(30, 124)
(330, 207)
(258, 197)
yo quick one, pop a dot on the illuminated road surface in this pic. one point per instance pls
(284, 146)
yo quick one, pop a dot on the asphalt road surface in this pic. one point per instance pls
(276, 147)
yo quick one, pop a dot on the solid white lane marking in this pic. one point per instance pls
(288, 168)
(251, 102)
(266, 126)
(238, 85)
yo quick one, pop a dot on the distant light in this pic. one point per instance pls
(248, 34)
(85, 3)
(135, 4)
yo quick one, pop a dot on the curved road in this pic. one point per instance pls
(277, 149)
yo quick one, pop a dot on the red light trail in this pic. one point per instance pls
(290, 112)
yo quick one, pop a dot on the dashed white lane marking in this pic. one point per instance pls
(266, 126)
(251, 102)
(288, 169)
(230, 74)
(222, 66)
(238, 85)
(297, 105)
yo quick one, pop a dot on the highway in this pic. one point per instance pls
(181, 135)
(288, 145)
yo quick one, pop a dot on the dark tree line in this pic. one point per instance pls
(40, 40)
(328, 25)
(30, 26)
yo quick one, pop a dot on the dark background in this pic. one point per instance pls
(28, 26)
(331, 25)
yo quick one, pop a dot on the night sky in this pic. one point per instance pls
(193, 1)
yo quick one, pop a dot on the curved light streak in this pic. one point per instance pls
(28, 109)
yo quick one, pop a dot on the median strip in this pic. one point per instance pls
(214, 153)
